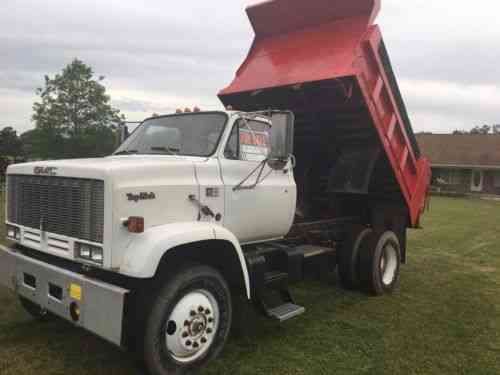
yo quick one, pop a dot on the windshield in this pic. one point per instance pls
(195, 134)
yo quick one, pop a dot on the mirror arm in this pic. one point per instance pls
(240, 186)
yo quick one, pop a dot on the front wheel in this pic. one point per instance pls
(189, 322)
(36, 311)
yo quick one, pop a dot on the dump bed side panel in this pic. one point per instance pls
(390, 117)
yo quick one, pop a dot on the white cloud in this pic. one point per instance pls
(158, 55)
(137, 105)
(446, 106)
(15, 107)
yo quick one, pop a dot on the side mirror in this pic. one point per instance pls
(281, 139)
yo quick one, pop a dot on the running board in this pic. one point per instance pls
(276, 299)
(286, 311)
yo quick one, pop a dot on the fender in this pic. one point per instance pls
(143, 254)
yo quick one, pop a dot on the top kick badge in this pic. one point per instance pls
(141, 197)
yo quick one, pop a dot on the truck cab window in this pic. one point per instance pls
(231, 151)
(195, 134)
(249, 141)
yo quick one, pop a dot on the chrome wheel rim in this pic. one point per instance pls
(191, 327)
(388, 264)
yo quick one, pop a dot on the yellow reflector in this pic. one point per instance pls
(75, 292)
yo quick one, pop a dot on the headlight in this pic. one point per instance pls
(97, 255)
(89, 252)
(13, 233)
(85, 251)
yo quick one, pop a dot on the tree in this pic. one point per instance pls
(480, 130)
(485, 129)
(74, 117)
(10, 144)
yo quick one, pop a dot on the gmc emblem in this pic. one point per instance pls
(46, 171)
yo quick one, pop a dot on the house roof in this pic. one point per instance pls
(461, 150)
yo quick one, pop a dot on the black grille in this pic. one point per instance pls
(70, 207)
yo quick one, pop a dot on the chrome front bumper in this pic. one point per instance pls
(100, 305)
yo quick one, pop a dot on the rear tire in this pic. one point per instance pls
(189, 322)
(380, 263)
(37, 312)
(348, 257)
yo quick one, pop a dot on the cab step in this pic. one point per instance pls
(276, 280)
(275, 298)
(286, 311)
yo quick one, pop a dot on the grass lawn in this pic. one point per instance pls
(445, 319)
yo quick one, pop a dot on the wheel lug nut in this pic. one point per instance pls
(200, 309)
(185, 334)
(188, 343)
(209, 330)
(210, 320)
(196, 345)
(207, 311)
(192, 313)
(203, 340)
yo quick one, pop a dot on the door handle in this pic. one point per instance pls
(205, 210)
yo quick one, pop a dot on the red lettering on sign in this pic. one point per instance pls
(253, 139)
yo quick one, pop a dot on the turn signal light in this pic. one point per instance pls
(135, 224)
(13, 233)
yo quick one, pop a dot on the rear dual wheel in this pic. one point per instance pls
(380, 263)
(348, 256)
(370, 261)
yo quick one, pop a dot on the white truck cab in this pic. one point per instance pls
(177, 172)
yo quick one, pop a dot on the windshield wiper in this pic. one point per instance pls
(126, 152)
(170, 150)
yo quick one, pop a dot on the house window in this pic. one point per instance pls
(449, 176)
(477, 178)
(496, 180)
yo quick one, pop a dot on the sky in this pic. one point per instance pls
(161, 55)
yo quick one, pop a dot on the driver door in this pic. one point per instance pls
(264, 211)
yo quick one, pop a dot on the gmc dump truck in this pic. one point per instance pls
(313, 167)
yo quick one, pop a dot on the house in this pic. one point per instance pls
(463, 163)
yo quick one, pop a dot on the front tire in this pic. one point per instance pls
(380, 263)
(189, 322)
(37, 312)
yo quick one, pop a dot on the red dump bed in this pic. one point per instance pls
(303, 47)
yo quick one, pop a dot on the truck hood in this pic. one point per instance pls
(103, 168)
(156, 187)
(134, 184)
